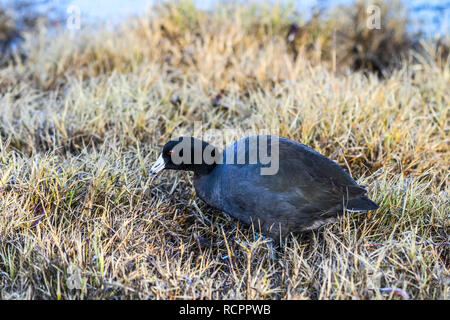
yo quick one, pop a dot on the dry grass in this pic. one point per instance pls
(82, 119)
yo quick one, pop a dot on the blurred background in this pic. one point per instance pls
(430, 17)
(404, 23)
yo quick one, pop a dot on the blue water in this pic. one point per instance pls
(431, 17)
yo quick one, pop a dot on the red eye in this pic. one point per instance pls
(171, 152)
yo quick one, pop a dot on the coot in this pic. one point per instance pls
(279, 184)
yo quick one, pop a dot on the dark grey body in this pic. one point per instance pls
(309, 190)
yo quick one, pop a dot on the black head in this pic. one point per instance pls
(187, 153)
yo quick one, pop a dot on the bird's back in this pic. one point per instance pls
(307, 190)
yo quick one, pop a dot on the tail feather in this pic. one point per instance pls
(361, 204)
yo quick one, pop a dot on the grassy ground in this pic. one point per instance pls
(85, 115)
